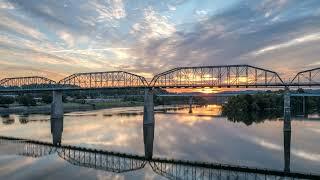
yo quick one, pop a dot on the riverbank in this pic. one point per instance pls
(68, 107)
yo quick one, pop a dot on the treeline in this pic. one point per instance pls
(168, 100)
(253, 108)
(133, 95)
(261, 106)
(25, 100)
(46, 97)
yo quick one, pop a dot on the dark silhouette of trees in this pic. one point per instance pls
(253, 108)
(6, 100)
(256, 108)
(26, 100)
(46, 98)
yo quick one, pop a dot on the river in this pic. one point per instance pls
(200, 136)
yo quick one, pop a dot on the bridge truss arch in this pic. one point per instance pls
(207, 171)
(97, 80)
(309, 77)
(217, 76)
(102, 160)
(23, 83)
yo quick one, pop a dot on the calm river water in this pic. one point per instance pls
(200, 136)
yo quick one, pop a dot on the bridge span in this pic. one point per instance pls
(227, 76)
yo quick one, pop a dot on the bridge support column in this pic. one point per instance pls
(305, 106)
(287, 130)
(190, 104)
(56, 120)
(148, 123)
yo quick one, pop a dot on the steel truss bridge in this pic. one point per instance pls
(227, 76)
(120, 163)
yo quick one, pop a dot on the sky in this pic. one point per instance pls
(57, 38)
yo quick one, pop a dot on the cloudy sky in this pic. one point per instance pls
(56, 38)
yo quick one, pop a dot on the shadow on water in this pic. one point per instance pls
(119, 162)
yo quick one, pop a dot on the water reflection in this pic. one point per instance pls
(23, 119)
(120, 162)
(199, 136)
(7, 121)
(110, 161)
(148, 137)
(287, 150)
(56, 130)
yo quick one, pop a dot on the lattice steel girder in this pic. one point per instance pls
(24, 148)
(217, 76)
(90, 158)
(111, 162)
(172, 169)
(236, 76)
(111, 79)
(32, 82)
(309, 77)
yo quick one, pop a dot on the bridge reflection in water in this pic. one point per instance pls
(120, 162)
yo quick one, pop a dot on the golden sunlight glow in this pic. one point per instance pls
(191, 120)
(191, 78)
(206, 90)
(209, 90)
(209, 77)
(241, 79)
(201, 114)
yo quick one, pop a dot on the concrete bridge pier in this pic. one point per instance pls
(148, 123)
(287, 130)
(148, 137)
(190, 104)
(305, 106)
(56, 120)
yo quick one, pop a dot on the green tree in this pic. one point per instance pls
(46, 98)
(253, 108)
(26, 100)
(6, 100)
